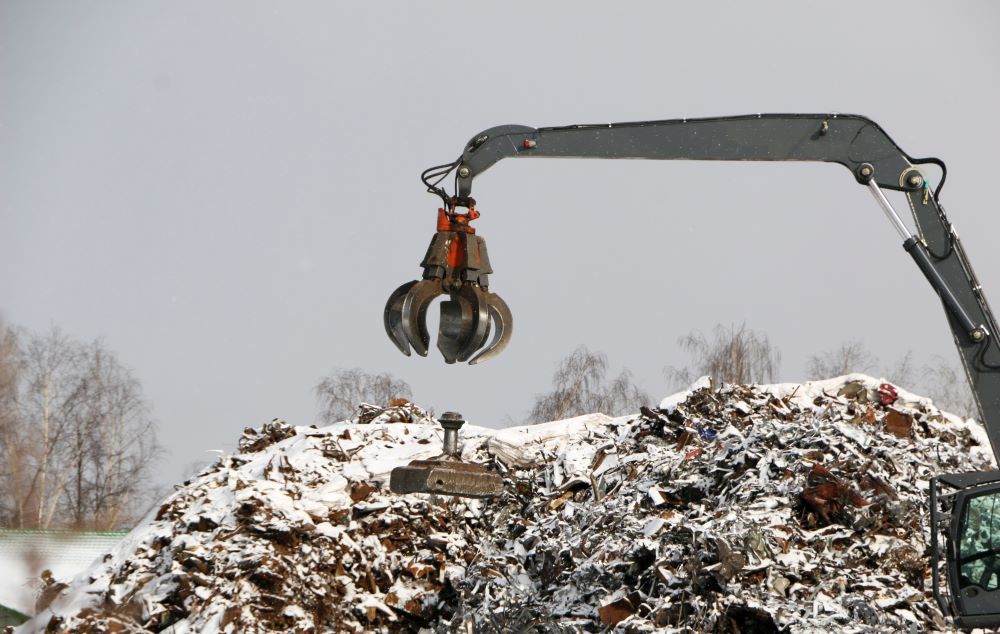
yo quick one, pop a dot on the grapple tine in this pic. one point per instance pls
(456, 264)
(414, 314)
(392, 316)
(452, 329)
(463, 321)
(482, 340)
(503, 324)
(478, 321)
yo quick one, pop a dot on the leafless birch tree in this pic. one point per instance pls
(51, 389)
(579, 387)
(12, 463)
(735, 354)
(945, 383)
(339, 394)
(113, 443)
(78, 438)
(850, 356)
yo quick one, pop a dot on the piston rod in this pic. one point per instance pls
(918, 252)
(890, 213)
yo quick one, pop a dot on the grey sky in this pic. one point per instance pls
(227, 192)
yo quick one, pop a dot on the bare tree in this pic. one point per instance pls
(579, 387)
(340, 394)
(854, 356)
(947, 386)
(79, 442)
(733, 355)
(112, 444)
(851, 356)
(51, 387)
(11, 452)
(904, 372)
(941, 381)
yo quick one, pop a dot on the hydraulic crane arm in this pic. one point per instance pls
(850, 140)
(856, 142)
(457, 264)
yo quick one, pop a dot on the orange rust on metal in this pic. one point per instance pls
(447, 221)
(617, 611)
(898, 423)
(443, 224)
(456, 252)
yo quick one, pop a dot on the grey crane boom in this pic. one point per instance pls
(849, 140)
(456, 264)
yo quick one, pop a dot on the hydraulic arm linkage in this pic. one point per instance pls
(456, 261)
(456, 264)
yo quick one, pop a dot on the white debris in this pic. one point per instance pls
(787, 508)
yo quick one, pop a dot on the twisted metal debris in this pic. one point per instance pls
(789, 508)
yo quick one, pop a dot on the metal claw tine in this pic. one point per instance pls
(453, 328)
(503, 324)
(479, 320)
(392, 317)
(482, 340)
(414, 314)
(463, 320)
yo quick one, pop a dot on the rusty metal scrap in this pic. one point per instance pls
(733, 509)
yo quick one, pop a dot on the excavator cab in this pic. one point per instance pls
(965, 508)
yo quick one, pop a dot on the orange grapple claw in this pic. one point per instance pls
(456, 265)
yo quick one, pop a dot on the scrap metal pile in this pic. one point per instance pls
(786, 508)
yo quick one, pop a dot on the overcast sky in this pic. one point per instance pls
(226, 193)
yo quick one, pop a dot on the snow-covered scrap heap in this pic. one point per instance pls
(742, 509)
(293, 533)
(763, 509)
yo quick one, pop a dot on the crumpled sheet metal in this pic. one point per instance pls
(532, 445)
(790, 508)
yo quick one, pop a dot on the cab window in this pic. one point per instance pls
(979, 542)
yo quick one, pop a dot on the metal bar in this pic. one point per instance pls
(935, 552)
(890, 213)
(451, 442)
